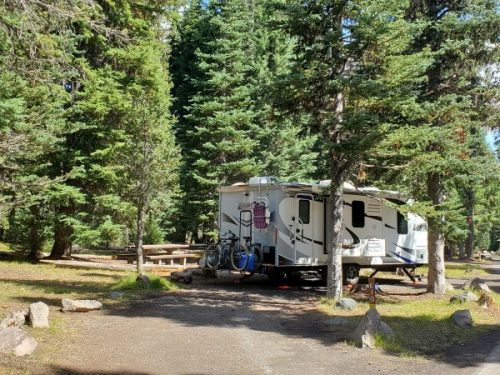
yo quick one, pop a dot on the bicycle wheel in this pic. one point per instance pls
(256, 251)
(239, 257)
(213, 255)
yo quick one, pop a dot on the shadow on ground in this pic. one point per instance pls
(290, 311)
(69, 371)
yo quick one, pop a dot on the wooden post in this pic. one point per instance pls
(373, 299)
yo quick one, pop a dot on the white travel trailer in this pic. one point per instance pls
(289, 222)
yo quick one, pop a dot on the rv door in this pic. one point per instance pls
(303, 228)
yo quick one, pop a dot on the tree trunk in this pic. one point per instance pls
(334, 271)
(469, 205)
(62, 241)
(335, 210)
(139, 239)
(34, 233)
(436, 279)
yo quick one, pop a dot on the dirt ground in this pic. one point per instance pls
(220, 326)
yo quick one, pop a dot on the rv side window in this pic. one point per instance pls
(358, 214)
(402, 224)
(304, 211)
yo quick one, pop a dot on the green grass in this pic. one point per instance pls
(22, 283)
(393, 345)
(422, 325)
(157, 283)
(459, 270)
(452, 270)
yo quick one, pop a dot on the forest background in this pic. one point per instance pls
(120, 119)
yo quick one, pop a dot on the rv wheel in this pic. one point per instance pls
(276, 276)
(350, 273)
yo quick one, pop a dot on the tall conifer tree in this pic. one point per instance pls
(437, 144)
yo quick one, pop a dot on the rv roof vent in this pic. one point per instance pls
(262, 180)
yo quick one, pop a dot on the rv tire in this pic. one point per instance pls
(275, 276)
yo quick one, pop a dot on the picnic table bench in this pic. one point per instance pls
(161, 253)
(171, 257)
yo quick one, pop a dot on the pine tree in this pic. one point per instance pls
(452, 103)
(220, 121)
(230, 55)
(343, 82)
(34, 39)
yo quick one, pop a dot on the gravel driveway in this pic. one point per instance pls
(222, 327)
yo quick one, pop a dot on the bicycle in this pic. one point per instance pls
(227, 252)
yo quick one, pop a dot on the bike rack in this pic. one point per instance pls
(250, 224)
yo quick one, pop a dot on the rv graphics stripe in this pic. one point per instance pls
(355, 238)
(409, 261)
(245, 223)
(311, 240)
(228, 219)
(369, 216)
(408, 250)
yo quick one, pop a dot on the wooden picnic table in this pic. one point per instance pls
(171, 257)
(161, 252)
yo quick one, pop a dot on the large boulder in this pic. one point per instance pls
(184, 276)
(39, 315)
(462, 318)
(346, 304)
(14, 319)
(464, 297)
(369, 327)
(472, 283)
(14, 340)
(83, 305)
(483, 287)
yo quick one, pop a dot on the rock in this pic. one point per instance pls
(346, 304)
(472, 283)
(369, 327)
(449, 287)
(82, 305)
(185, 276)
(462, 318)
(14, 319)
(39, 315)
(116, 295)
(486, 301)
(143, 279)
(337, 321)
(15, 340)
(464, 297)
(483, 287)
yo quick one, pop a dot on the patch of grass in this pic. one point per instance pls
(422, 324)
(156, 283)
(453, 270)
(459, 270)
(393, 345)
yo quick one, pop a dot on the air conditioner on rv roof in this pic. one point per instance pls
(262, 180)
